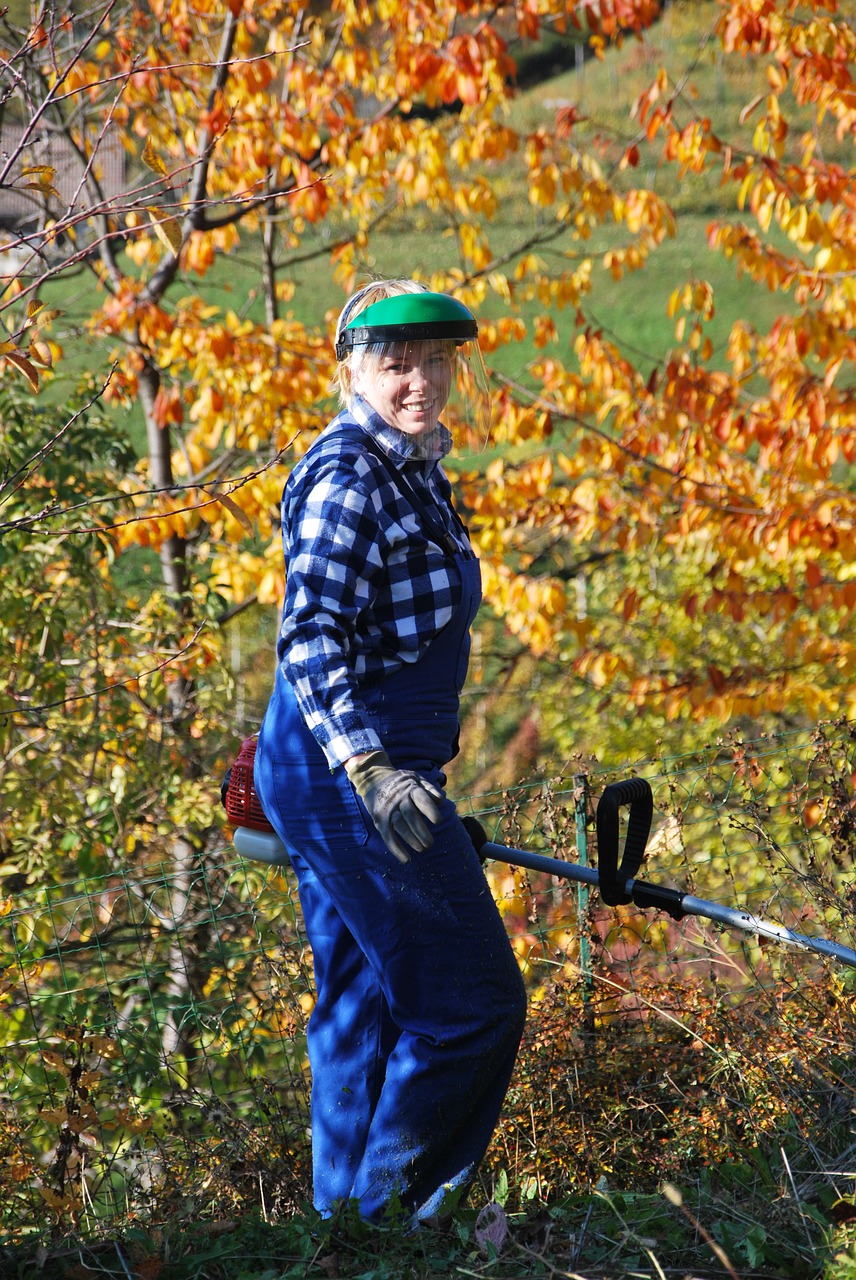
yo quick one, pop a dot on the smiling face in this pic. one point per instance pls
(408, 384)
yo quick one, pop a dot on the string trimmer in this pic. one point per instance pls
(615, 881)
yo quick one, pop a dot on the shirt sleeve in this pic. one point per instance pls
(334, 548)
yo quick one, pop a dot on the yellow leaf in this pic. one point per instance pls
(55, 1201)
(39, 178)
(152, 160)
(104, 1047)
(56, 1115)
(42, 354)
(132, 1123)
(232, 506)
(499, 283)
(55, 1061)
(167, 229)
(46, 315)
(745, 187)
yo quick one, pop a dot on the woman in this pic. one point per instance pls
(420, 1004)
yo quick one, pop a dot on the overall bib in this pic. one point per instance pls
(420, 1003)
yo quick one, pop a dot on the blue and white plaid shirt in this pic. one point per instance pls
(366, 590)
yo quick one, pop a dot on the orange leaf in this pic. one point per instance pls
(750, 107)
(717, 679)
(813, 575)
(24, 366)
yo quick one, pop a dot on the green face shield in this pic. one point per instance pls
(420, 350)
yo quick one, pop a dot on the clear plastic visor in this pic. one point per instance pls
(415, 385)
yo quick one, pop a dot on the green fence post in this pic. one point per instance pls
(581, 815)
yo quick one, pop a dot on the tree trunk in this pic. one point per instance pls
(173, 552)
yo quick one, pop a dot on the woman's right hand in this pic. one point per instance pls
(398, 800)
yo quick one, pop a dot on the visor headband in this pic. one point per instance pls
(345, 316)
(441, 330)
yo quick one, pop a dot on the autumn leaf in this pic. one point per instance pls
(25, 366)
(152, 159)
(167, 228)
(491, 1230)
(234, 510)
(104, 1047)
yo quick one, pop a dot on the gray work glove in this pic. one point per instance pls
(398, 800)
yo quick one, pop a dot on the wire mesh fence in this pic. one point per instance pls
(152, 1047)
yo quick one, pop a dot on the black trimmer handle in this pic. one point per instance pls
(612, 878)
(477, 834)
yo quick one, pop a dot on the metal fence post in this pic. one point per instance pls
(580, 814)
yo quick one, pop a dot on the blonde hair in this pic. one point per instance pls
(376, 291)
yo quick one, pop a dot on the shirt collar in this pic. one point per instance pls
(430, 446)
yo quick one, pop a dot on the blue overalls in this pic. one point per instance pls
(420, 1003)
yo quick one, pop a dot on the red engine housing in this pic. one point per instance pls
(242, 804)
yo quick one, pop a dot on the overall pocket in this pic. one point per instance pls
(317, 812)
